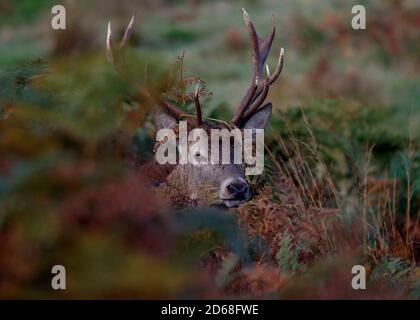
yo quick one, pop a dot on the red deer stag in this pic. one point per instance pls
(212, 184)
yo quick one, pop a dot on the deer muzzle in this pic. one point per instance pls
(234, 192)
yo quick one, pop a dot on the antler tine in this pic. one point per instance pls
(260, 46)
(116, 57)
(199, 119)
(273, 77)
(109, 46)
(127, 33)
(253, 38)
(245, 102)
(279, 67)
(260, 49)
(110, 49)
(260, 99)
(157, 98)
(172, 109)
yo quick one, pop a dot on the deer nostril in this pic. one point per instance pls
(238, 189)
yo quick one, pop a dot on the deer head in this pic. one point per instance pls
(209, 184)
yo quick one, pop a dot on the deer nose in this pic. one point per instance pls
(238, 189)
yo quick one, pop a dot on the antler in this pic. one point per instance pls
(199, 120)
(115, 56)
(258, 90)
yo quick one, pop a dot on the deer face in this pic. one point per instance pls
(213, 184)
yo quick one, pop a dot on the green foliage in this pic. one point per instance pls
(226, 272)
(405, 166)
(15, 84)
(345, 131)
(221, 223)
(23, 10)
(179, 35)
(393, 270)
(287, 256)
(415, 292)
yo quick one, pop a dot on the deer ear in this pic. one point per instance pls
(259, 120)
(162, 120)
